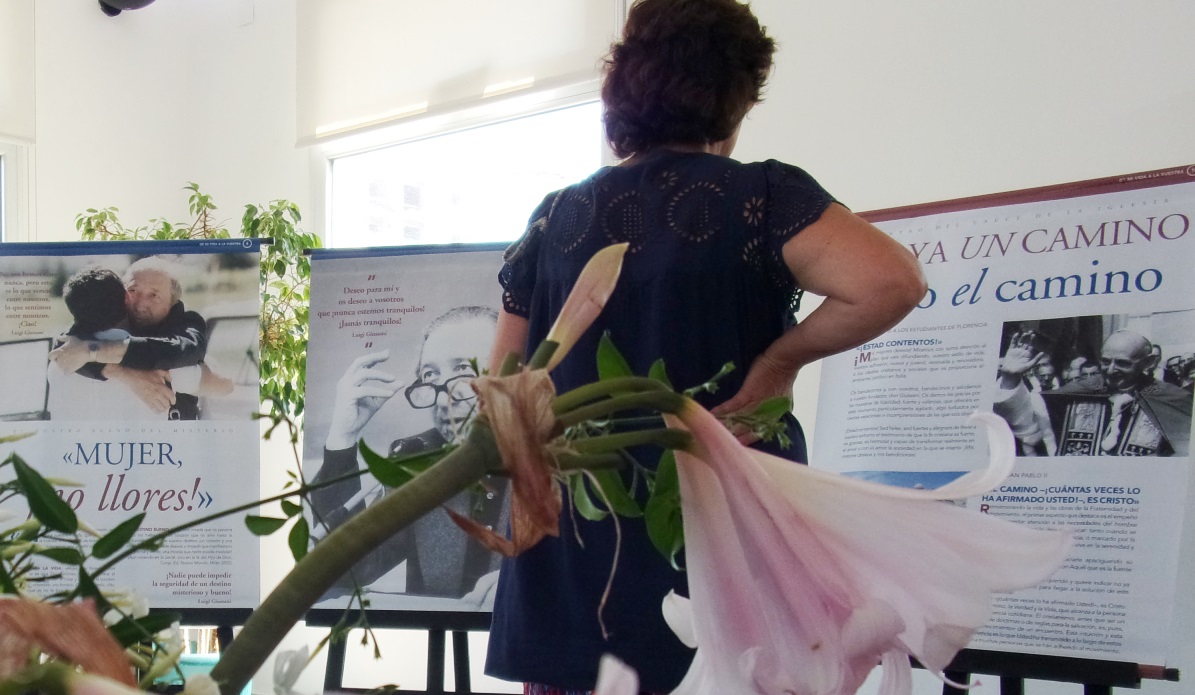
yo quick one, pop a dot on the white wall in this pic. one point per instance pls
(891, 104)
(886, 103)
(131, 108)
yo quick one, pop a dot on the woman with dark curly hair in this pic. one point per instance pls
(719, 253)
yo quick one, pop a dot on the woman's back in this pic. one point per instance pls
(703, 283)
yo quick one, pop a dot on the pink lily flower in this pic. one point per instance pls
(803, 581)
(72, 632)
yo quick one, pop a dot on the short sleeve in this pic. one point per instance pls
(518, 273)
(795, 201)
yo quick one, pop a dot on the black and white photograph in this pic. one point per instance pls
(395, 344)
(131, 337)
(1113, 385)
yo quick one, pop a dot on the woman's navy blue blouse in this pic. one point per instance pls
(703, 283)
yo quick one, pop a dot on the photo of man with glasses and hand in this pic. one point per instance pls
(441, 561)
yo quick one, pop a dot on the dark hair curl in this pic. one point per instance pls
(686, 71)
(95, 297)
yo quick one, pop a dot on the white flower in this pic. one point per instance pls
(287, 667)
(171, 639)
(615, 677)
(125, 603)
(200, 684)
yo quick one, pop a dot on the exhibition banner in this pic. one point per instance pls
(1069, 311)
(134, 367)
(397, 334)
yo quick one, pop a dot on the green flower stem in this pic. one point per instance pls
(663, 401)
(568, 462)
(666, 438)
(543, 354)
(599, 389)
(510, 365)
(342, 548)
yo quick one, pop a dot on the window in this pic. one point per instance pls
(15, 199)
(471, 186)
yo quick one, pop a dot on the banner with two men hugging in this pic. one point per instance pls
(134, 367)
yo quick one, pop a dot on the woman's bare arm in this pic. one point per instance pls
(869, 281)
(509, 336)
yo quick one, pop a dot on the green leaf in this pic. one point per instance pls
(43, 501)
(65, 555)
(7, 585)
(86, 588)
(582, 502)
(662, 513)
(658, 373)
(263, 525)
(151, 544)
(386, 471)
(610, 362)
(615, 493)
(116, 539)
(290, 508)
(773, 408)
(299, 538)
(395, 472)
(130, 631)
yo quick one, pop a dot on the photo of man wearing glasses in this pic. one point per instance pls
(441, 561)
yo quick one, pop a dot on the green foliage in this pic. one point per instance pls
(597, 493)
(132, 630)
(610, 362)
(263, 525)
(397, 470)
(285, 283)
(299, 538)
(608, 413)
(662, 514)
(118, 537)
(44, 502)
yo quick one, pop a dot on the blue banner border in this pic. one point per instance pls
(146, 247)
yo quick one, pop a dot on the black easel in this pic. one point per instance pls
(439, 624)
(1097, 677)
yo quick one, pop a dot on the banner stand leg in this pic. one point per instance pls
(460, 662)
(334, 670)
(223, 637)
(435, 661)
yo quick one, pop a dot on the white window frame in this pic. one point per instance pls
(16, 175)
(437, 121)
